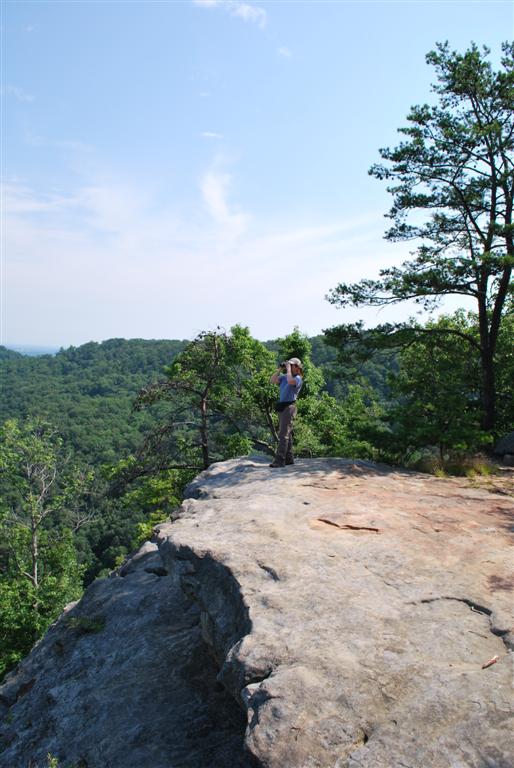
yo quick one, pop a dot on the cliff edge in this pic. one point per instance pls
(333, 614)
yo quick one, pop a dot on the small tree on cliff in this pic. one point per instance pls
(40, 508)
(219, 400)
(219, 403)
(457, 165)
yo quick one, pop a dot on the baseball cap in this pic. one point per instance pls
(296, 361)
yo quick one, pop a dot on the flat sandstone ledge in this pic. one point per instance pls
(353, 610)
(360, 616)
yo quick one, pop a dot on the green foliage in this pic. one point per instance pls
(137, 506)
(145, 529)
(432, 397)
(39, 572)
(156, 497)
(215, 389)
(326, 426)
(9, 354)
(236, 445)
(87, 392)
(26, 611)
(437, 391)
(157, 494)
(223, 382)
(504, 373)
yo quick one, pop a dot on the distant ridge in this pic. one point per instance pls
(32, 350)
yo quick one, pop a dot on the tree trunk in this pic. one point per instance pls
(488, 391)
(488, 388)
(204, 434)
(34, 552)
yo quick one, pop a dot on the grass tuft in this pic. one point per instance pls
(85, 625)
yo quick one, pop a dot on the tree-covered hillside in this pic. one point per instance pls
(87, 392)
(9, 354)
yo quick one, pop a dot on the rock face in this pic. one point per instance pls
(505, 445)
(351, 610)
(122, 680)
(505, 448)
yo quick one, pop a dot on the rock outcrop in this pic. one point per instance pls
(505, 448)
(122, 680)
(360, 617)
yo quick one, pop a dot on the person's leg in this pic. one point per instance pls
(289, 449)
(289, 452)
(284, 434)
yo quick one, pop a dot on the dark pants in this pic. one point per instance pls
(285, 435)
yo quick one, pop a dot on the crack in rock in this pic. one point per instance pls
(501, 633)
(271, 571)
(348, 526)
(474, 606)
(157, 571)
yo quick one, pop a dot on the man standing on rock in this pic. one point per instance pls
(290, 384)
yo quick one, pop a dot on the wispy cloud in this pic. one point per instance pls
(110, 247)
(215, 187)
(20, 200)
(249, 13)
(286, 53)
(245, 11)
(18, 93)
(211, 135)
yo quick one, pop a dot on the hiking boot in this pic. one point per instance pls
(277, 464)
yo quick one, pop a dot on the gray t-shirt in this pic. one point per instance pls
(289, 392)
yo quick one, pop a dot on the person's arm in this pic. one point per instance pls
(275, 379)
(290, 378)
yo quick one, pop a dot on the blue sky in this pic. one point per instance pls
(170, 167)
